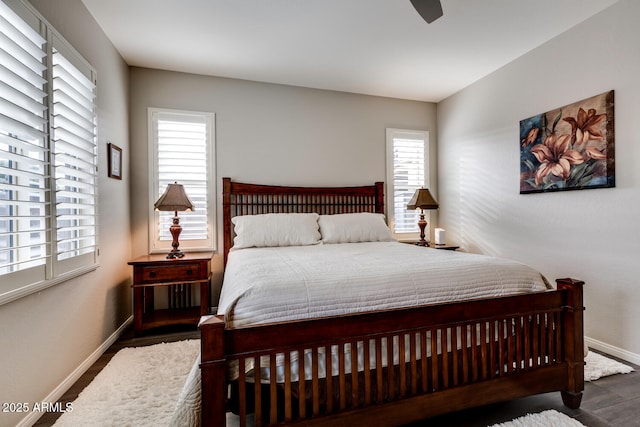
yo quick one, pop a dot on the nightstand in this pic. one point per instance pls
(434, 246)
(445, 247)
(178, 277)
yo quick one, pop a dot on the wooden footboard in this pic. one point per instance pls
(444, 358)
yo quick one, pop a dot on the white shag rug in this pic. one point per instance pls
(141, 386)
(598, 366)
(548, 418)
(138, 387)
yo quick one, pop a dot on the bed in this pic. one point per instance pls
(279, 359)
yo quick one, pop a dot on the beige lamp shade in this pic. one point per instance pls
(174, 199)
(422, 199)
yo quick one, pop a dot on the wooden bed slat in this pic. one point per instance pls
(390, 368)
(329, 379)
(315, 382)
(302, 390)
(355, 386)
(414, 363)
(242, 390)
(273, 392)
(342, 377)
(367, 371)
(288, 411)
(379, 372)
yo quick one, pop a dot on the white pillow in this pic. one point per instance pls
(278, 229)
(354, 228)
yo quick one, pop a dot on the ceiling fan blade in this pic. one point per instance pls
(430, 10)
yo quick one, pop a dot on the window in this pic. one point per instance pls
(407, 160)
(47, 156)
(182, 151)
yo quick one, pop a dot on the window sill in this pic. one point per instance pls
(32, 288)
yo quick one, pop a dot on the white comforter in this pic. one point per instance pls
(263, 285)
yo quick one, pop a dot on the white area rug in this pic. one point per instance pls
(138, 387)
(548, 418)
(599, 366)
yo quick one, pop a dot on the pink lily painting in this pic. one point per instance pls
(569, 148)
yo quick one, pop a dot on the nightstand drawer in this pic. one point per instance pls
(187, 272)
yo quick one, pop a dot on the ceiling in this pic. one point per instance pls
(374, 47)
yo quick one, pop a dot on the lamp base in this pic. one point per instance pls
(422, 224)
(175, 231)
(175, 253)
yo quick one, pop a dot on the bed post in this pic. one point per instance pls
(573, 341)
(213, 373)
(226, 216)
(379, 197)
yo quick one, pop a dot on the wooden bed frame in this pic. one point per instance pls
(507, 347)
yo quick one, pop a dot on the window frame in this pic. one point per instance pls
(164, 246)
(391, 135)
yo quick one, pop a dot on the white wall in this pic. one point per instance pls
(592, 235)
(272, 134)
(44, 337)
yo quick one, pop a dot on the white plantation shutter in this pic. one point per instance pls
(24, 230)
(408, 176)
(406, 172)
(74, 141)
(48, 171)
(183, 152)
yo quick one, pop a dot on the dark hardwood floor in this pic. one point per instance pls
(610, 401)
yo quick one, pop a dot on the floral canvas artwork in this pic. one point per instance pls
(569, 148)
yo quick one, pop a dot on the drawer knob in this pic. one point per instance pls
(189, 272)
(152, 274)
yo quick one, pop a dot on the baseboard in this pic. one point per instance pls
(61, 389)
(613, 351)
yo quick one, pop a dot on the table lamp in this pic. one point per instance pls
(422, 199)
(174, 199)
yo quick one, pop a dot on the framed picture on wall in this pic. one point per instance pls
(115, 161)
(569, 148)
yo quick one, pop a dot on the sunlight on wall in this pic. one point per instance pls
(482, 189)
